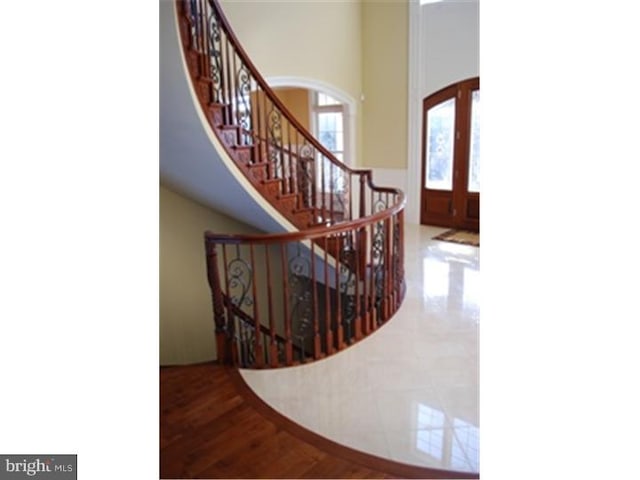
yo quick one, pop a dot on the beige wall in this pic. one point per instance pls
(186, 315)
(385, 83)
(360, 47)
(297, 101)
(304, 38)
(309, 39)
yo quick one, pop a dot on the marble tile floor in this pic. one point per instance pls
(410, 391)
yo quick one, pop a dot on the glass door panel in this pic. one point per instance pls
(450, 194)
(474, 150)
(439, 145)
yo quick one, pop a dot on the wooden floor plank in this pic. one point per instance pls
(213, 426)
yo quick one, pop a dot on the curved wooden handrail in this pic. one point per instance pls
(310, 233)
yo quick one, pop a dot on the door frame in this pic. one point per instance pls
(455, 208)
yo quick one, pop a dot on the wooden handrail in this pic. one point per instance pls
(309, 233)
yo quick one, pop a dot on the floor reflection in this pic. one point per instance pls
(453, 448)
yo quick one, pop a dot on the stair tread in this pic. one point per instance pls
(288, 195)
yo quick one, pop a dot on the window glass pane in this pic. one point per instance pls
(324, 99)
(474, 150)
(339, 141)
(328, 139)
(330, 131)
(324, 122)
(339, 132)
(440, 136)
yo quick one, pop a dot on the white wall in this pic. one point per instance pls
(449, 37)
(444, 48)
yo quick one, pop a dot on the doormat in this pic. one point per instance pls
(460, 236)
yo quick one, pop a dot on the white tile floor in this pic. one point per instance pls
(409, 392)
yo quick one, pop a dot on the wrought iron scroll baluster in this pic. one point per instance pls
(274, 125)
(215, 54)
(243, 82)
(348, 265)
(301, 292)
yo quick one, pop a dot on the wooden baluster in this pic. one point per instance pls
(301, 179)
(199, 37)
(322, 188)
(373, 203)
(287, 314)
(259, 356)
(311, 167)
(221, 95)
(229, 94)
(257, 127)
(362, 267)
(398, 272)
(355, 266)
(332, 193)
(207, 51)
(265, 133)
(289, 175)
(232, 89)
(388, 253)
(401, 257)
(314, 285)
(327, 297)
(218, 305)
(232, 344)
(372, 288)
(392, 267)
(273, 346)
(236, 90)
(339, 329)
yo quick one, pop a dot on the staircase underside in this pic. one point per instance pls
(189, 161)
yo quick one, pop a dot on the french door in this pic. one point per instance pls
(451, 157)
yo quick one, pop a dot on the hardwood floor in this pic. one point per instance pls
(213, 426)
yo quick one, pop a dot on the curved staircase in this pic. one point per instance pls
(286, 298)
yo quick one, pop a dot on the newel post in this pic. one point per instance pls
(219, 318)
